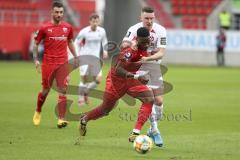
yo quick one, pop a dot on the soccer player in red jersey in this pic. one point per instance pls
(122, 79)
(57, 36)
(158, 37)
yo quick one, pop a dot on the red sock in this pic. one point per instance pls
(94, 114)
(41, 99)
(62, 102)
(101, 110)
(143, 115)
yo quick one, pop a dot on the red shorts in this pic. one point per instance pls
(51, 72)
(117, 87)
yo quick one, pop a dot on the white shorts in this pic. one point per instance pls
(154, 72)
(90, 65)
(86, 70)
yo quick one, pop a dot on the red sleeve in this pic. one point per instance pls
(70, 35)
(40, 35)
(125, 55)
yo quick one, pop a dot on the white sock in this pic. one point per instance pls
(154, 127)
(81, 91)
(136, 131)
(155, 117)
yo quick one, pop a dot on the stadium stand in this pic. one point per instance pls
(162, 16)
(18, 19)
(83, 8)
(193, 12)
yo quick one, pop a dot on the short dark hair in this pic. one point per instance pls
(57, 4)
(147, 9)
(142, 32)
(93, 16)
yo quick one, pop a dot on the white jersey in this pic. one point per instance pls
(90, 42)
(157, 36)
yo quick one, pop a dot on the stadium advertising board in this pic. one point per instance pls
(200, 40)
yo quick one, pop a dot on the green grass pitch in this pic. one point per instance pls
(202, 119)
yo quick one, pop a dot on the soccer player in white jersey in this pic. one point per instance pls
(90, 42)
(151, 64)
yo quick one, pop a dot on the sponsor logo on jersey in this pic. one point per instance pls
(65, 29)
(127, 55)
(58, 38)
(49, 30)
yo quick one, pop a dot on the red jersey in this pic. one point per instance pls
(55, 41)
(128, 58)
(117, 86)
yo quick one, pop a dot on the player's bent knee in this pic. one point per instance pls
(147, 99)
(158, 103)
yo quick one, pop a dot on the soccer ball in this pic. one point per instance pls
(142, 144)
